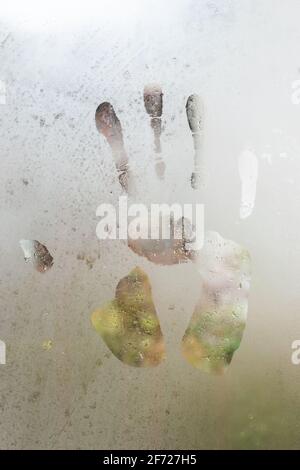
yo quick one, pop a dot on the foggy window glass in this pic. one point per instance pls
(150, 156)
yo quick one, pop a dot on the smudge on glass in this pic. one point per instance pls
(108, 124)
(153, 100)
(166, 251)
(37, 254)
(47, 345)
(129, 324)
(216, 327)
(195, 112)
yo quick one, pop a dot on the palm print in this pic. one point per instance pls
(129, 324)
